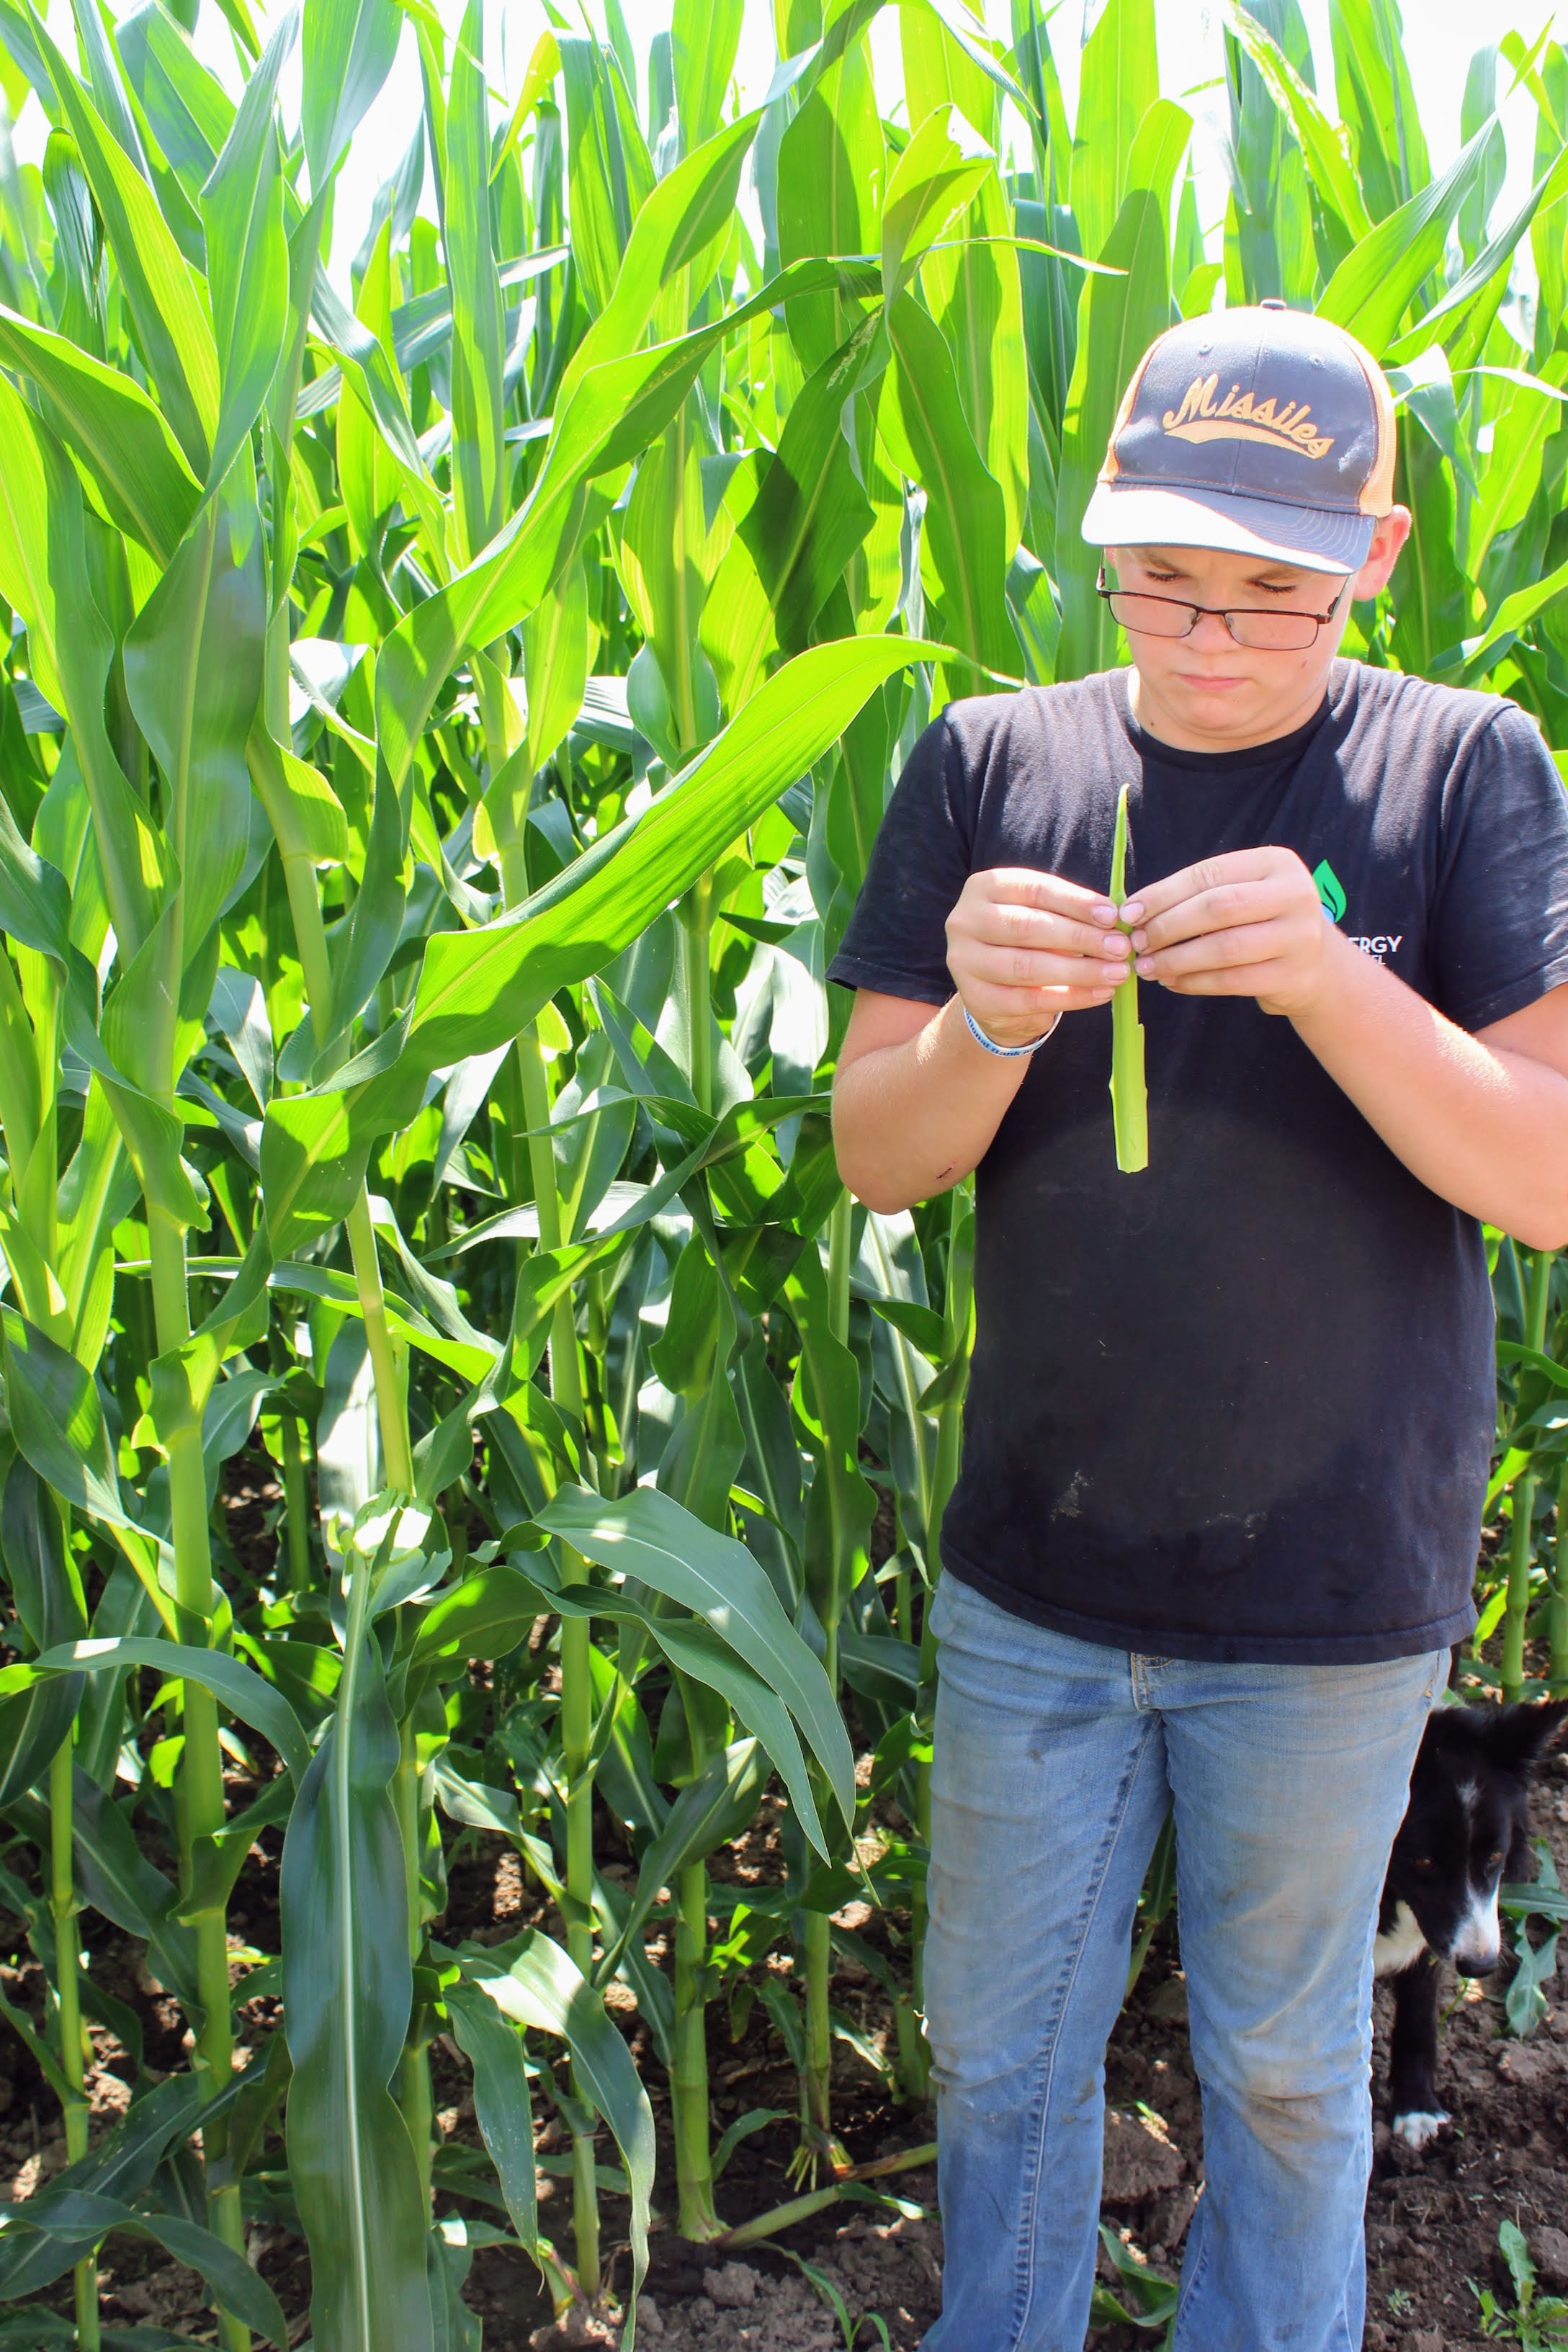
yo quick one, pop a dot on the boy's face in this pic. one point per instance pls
(1205, 692)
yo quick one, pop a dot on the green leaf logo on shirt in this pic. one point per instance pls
(1331, 890)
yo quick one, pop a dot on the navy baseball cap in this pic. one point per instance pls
(1260, 430)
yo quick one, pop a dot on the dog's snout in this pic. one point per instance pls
(1478, 1944)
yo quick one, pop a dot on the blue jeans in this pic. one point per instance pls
(1055, 1760)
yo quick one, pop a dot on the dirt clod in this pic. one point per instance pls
(733, 2288)
(1550, 2247)
(1140, 2159)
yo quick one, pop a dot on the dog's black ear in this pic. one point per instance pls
(1519, 1736)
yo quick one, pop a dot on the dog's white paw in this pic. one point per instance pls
(1420, 2128)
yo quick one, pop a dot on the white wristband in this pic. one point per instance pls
(1006, 1053)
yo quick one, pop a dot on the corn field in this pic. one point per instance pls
(441, 740)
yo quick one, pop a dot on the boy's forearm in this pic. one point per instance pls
(912, 1120)
(1485, 1126)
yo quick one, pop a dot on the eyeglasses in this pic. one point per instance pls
(1270, 631)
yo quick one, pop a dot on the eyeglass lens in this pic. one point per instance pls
(1163, 616)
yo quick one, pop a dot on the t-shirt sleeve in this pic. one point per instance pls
(897, 939)
(1500, 933)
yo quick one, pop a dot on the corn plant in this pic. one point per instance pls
(452, 691)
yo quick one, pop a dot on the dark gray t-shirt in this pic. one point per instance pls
(1240, 1406)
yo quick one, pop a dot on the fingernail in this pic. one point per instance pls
(1102, 914)
(1140, 940)
(1130, 910)
(1143, 967)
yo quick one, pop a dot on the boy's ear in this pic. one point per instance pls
(1388, 537)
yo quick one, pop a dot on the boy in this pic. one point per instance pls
(1228, 1419)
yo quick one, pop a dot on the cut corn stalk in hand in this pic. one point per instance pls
(1129, 1092)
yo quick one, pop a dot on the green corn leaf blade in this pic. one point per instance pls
(610, 172)
(1118, 318)
(480, 1806)
(121, 2166)
(704, 37)
(718, 1806)
(1467, 664)
(615, 412)
(1471, 304)
(35, 902)
(494, 2048)
(477, 990)
(187, 109)
(705, 1653)
(1372, 85)
(946, 64)
(58, 1422)
(649, 1536)
(136, 467)
(973, 292)
(115, 1877)
(105, 84)
(46, 1587)
(479, 446)
(226, 2274)
(237, 1686)
(832, 161)
(347, 48)
(348, 1991)
(542, 1988)
(1376, 282)
(1154, 2298)
(365, 363)
(686, 215)
(1272, 208)
(24, 57)
(78, 2220)
(171, 325)
(1316, 136)
(78, 310)
(1118, 83)
(98, 1190)
(194, 672)
(33, 1725)
(247, 255)
(700, 1650)
(555, 665)
(789, 548)
(930, 184)
(826, 1412)
(484, 1616)
(965, 515)
(303, 810)
(45, 575)
(626, 1777)
(46, 1593)
(1513, 474)
(216, 1861)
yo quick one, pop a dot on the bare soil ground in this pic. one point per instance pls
(1432, 2218)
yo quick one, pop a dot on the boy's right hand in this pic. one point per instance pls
(1024, 946)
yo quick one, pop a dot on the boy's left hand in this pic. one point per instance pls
(1248, 923)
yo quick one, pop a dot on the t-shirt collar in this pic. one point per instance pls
(1278, 749)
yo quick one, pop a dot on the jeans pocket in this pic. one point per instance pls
(941, 1617)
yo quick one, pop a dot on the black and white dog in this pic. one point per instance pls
(1466, 1829)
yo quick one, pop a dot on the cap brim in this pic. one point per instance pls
(1132, 515)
